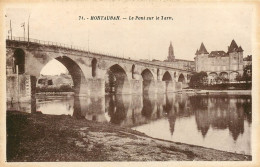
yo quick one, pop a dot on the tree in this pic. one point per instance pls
(239, 78)
(221, 79)
(198, 79)
(225, 80)
(247, 73)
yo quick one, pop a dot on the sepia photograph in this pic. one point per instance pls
(129, 81)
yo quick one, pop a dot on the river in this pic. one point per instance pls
(217, 121)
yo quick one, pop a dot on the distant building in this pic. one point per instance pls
(44, 81)
(175, 63)
(54, 80)
(178, 63)
(220, 63)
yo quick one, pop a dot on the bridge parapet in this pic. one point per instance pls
(25, 42)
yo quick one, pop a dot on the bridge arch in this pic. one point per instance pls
(169, 85)
(181, 78)
(76, 73)
(167, 76)
(94, 67)
(148, 81)
(120, 83)
(19, 61)
(147, 74)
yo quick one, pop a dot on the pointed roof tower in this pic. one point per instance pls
(171, 47)
(203, 49)
(240, 49)
(197, 52)
(171, 56)
(233, 47)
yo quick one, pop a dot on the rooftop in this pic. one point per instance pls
(234, 48)
(218, 54)
(202, 49)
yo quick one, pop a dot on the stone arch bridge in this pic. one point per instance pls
(25, 60)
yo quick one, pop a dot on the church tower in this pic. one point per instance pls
(171, 56)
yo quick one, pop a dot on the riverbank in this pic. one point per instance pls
(38, 137)
(216, 92)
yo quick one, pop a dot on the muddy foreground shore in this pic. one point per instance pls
(38, 137)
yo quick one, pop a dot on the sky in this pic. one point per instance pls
(214, 24)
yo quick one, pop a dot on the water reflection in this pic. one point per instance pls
(117, 108)
(221, 122)
(221, 113)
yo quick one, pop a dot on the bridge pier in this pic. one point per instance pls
(123, 86)
(169, 86)
(95, 87)
(20, 88)
(136, 86)
(149, 87)
(82, 90)
(178, 86)
(161, 87)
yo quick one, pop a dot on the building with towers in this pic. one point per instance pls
(220, 63)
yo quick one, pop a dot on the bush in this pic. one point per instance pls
(62, 88)
(229, 86)
(198, 79)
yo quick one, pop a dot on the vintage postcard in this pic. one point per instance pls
(118, 83)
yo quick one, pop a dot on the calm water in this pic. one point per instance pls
(220, 122)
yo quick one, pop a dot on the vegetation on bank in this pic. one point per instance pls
(229, 86)
(62, 88)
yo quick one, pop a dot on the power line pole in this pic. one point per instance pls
(28, 28)
(11, 29)
(88, 42)
(24, 32)
(23, 25)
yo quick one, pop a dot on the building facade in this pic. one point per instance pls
(226, 65)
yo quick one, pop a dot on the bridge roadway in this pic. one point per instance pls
(89, 70)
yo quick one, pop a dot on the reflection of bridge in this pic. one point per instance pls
(88, 70)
